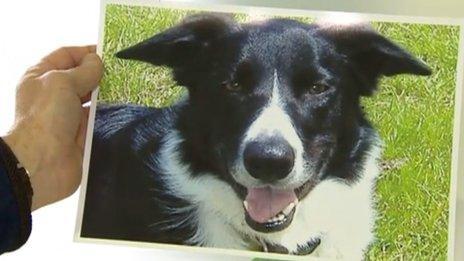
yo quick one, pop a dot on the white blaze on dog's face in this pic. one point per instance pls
(271, 164)
(273, 124)
(273, 109)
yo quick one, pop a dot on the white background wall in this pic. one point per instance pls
(28, 31)
(31, 29)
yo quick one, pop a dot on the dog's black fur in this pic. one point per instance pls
(226, 68)
(125, 198)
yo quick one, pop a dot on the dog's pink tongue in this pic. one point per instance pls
(265, 203)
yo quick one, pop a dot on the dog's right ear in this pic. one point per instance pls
(180, 44)
(372, 54)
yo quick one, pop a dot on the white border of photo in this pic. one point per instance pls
(408, 11)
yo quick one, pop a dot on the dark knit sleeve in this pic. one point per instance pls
(9, 213)
(15, 202)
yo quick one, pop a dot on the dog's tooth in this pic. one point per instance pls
(280, 217)
(288, 209)
(245, 204)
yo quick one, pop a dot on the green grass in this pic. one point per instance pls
(413, 114)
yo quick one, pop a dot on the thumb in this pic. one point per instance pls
(87, 74)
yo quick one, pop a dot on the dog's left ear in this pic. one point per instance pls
(372, 54)
(181, 44)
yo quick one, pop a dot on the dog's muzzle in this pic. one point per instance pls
(269, 160)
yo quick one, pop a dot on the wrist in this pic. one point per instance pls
(30, 159)
(24, 146)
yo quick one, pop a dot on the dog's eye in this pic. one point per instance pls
(232, 86)
(318, 88)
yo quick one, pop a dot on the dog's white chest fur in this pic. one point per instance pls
(341, 215)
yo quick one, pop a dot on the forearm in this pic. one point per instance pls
(47, 138)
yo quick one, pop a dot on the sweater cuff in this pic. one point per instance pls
(16, 206)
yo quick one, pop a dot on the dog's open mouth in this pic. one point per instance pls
(268, 209)
(271, 210)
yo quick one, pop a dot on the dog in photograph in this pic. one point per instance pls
(270, 150)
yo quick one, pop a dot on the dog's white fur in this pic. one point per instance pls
(341, 215)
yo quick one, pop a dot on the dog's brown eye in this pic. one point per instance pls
(232, 86)
(318, 88)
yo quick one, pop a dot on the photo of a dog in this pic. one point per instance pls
(270, 150)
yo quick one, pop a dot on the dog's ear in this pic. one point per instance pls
(372, 54)
(180, 44)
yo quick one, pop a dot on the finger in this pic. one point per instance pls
(82, 132)
(86, 98)
(61, 59)
(87, 75)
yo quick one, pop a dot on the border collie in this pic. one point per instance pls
(270, 151)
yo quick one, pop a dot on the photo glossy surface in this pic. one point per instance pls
(413, 115)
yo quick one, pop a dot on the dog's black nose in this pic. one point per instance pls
(269, 160)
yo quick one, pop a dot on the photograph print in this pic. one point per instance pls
(272, 133)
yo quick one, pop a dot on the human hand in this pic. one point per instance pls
(50, 123)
